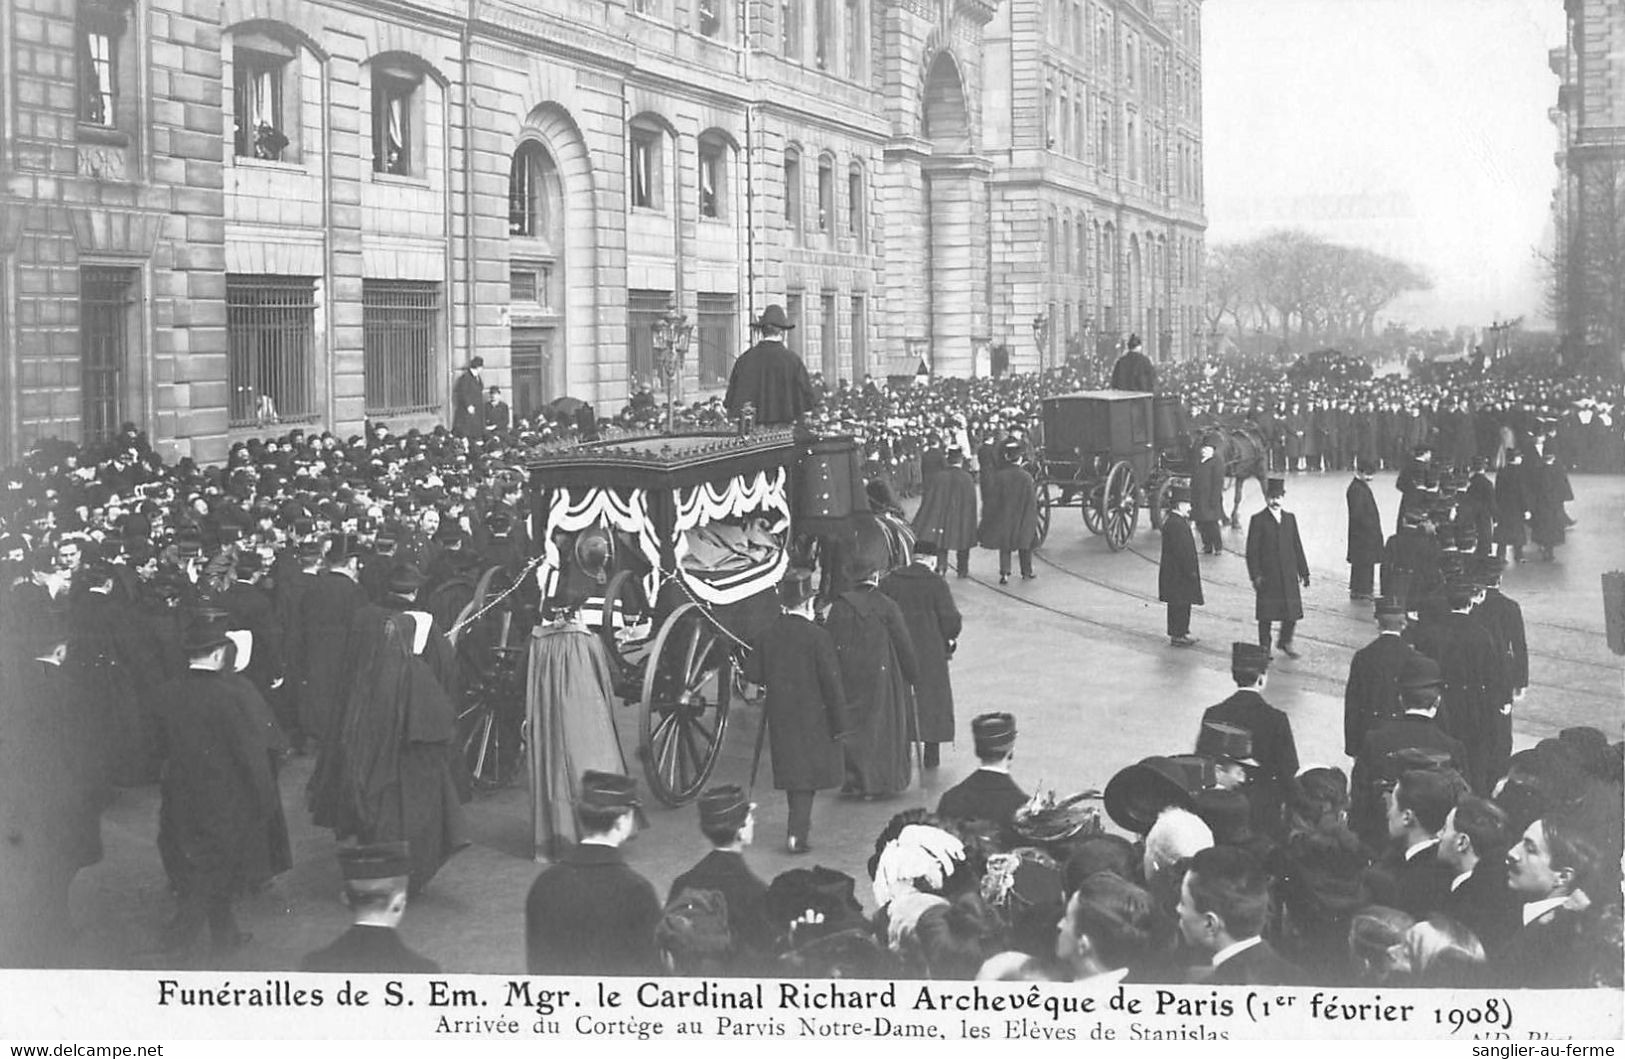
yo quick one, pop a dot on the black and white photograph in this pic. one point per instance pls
(672, 521)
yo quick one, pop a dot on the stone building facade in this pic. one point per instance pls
(1589, 199)
(224, 217)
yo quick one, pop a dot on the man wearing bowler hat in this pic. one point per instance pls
(375, 883)
(988, 796)
(1272, 745)
(770, 377)
(218, 794)
(1277, 567)
(1179, 575)
(590, 913)
(1371, 695)
(728, 821)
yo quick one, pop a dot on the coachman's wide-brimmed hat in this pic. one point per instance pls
(774, 316)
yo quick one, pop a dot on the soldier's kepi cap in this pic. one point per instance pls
(380, 860)
(608, 791)
(1227, 741)
(1389, 607)
(1179, 492)
(1488, 570)
(1274, 487)
(1249, 656)
(205, 630)
(993, 733)
(1420, 673)
(724, 806)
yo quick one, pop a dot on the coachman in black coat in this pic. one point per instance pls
(770, 377)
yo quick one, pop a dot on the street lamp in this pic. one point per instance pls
(672, 333)
(1041, 335)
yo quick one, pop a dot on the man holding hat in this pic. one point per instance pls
(988, 797)
(805, 711)
(1365, 530)
(1010, 512)
(1274, 750)
(1371, 695)
(769, 377)
(1415, 732)
(1277, 566)
(590, 913)
(1207, 496)
(728, 820)
(1179, 575)
(375, 884)
(217, 791)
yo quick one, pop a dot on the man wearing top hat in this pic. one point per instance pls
(1277, 566)
(1365, 531)
(728, 821)
(1371, 695)
(770, 377)
(934, 625)
(375, 885)
(326, 609)
(217, 790)
(468, 401)
(805, 711)
(1270, 733)
(1010, 512)
(1414, 735)
(1207, 496)
(1179, 575)
(988, 797)
(590, 913)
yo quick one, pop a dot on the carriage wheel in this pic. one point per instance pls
(1093, 505)
(1120, 506)
(623, 600)
(1160, 502)
(687, 690)
(1041, 493)
(490, 728)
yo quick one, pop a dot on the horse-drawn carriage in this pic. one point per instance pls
(676, 544)
(1110, 453)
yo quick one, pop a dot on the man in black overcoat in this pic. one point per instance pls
(1207, 496)
(1478, 506)
(1134, 370)
(770, 377)
(988, 798)
(947, 514)
(326, 609)
(1010, 512)
(1412, 736)
(1273, 746)
(375, 885)
(1473, 844)
(934, 625)
(468, 401)
(1179, 575)
(728, 821)
(1365, 531)
(1477, 703)
(1410, 876)
(1410, 565)
(1502, 616)
(498, 416)
(590, 913)
(805, 711)
(1513, 500)
(217, 791)
(1371, 695)
(1277, 567)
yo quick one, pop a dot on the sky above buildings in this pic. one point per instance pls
(1417, 128)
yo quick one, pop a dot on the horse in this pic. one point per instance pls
(879, 540)
(1245, 452)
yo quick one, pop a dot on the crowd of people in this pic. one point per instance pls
(192, 626)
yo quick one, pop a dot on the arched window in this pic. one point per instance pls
(792, 189)
(646, 139)
(527, 197)
(1049, 243)
(266, 82)
(856, 208)
(1066, 243)
(715, 176)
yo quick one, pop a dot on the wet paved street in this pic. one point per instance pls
(1079, 656)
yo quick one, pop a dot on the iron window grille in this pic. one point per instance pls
(105, 299)
(717, 315)
(270, 349)
(399, 322)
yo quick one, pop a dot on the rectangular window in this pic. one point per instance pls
(644, 308)
(826, 195)
(709, 18)
(392, 103)
(530, 356)
(857, 40)
(792, 191)
(854, 205)
(400, 347)
(106, 299)
(860, 339)
(99, 30)
(713, 180)
(522, 286)
(823, 36)
(792, 310)
(257, 104)
(828, 339)
(790, 29)
(645, 169)
(270, 349)
(714, 331)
